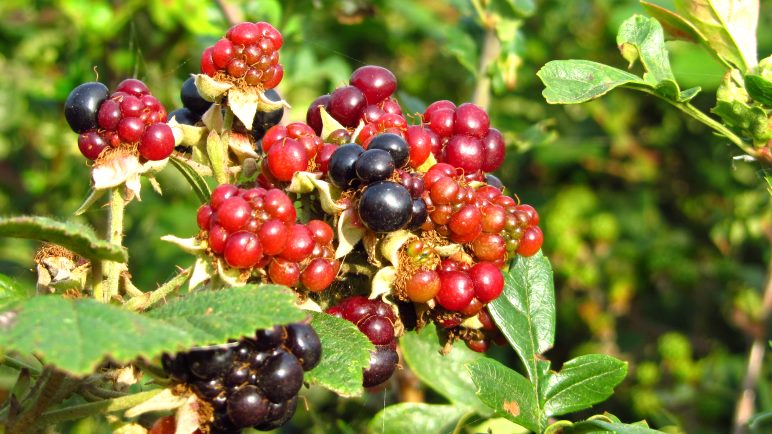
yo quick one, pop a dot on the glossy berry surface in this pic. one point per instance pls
(82, 106)
(304, 343)
(157, 142)
(375, 82)
(191, 99)
(281, 377)
(383, 363)
(341, 170)
(247, 407)
(346, 105)
(385, 206)
(394, 145)
(374, 165)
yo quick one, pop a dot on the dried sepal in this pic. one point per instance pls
(191, 415)
(166, 400)
(187, 135)
(329, 124)
(192, 245)
(383, 282)
(241, 145)
(202, 272)
(211, 89)
(393, 242)
(243, 103)
(230, 276)
(349, 233)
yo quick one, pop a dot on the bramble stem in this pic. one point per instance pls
(44, 395)
(104, 406)
(147, 299)
(115, 236)
(15, 363)
(746, 401)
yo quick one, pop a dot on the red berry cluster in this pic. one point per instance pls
(466, 140)
(128, 116)
(492, 224)
(376, 320)
(293, 148)
(256, 228)
(249, 54)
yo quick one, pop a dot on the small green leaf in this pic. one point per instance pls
(10, 291)
(642, 38)
(577, 81)
(76, 237)
(463, 47)
(759, 88)
(416, 418)
(675, 25)
(443, 373)
(525, 312)
(748, 121)
(214, 316)
(508, 393)
(582, 382)
(688, 94)
(345, 353)
(729, 27)
(199, 185)
(523, 7)
(605, 423)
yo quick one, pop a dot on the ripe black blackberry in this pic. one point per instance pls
(252, 382)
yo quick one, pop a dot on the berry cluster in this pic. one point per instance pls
(256, 229)
(376, 320)
(130, 118)
(465, 139)
(253, 382)
(247, 55)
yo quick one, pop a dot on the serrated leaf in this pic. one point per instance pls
(508, 393)
(525, 312)
(345, 353)
(199, 185)
(759, 88)
(443, 373)
(76, 237)
(674, 25)
(577, 81)
(11, 291)
(729, 26)
(76, 335)
(416, 418)
(214, 316)
(642, 38)
(581, 383)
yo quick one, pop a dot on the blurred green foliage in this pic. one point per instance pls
(659, 240)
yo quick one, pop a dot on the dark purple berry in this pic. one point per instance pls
(81, 108)
(418, 214)
(378, 329)
(191, 99)
(281, 377)
(383, 362)
(346, 105)
(264, 120)
(237, 376)
(208, 389)
(341, 166)
(247, 407)
(268, 339)
(304, 343)
(374, 165)
(184, 116)
(314, 116)
(279, 414)
(206, 363)
(385, 206)
(394, 144)
(494, 181)
(176, 366)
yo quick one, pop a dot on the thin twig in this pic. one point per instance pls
(746, 402)
(228, 12)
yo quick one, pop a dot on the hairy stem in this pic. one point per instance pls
(746, 402)
(115, 236)
(490, 49)
(44, 395)
(19, 364)
(147, 299)
(105, 406)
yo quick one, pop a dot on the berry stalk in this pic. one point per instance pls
(115, 236)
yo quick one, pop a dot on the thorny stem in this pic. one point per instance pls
(44, 394)
(147, 299)
(104, 406)
(115, 236)
(746, 402)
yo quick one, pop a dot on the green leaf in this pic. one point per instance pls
(76, 237)
(10, 291)
(345, 353)
(214, 316)
(688, 94)
(416, 418)
(675, 25)
(604, 423)
(522, 7)
(76, 335)
(642, 38)
(199, 185)
(577, 81)
(508, 393)
(582, 382)
(729, 26)
(759, 88)
(463, 47)
(747, 121)
(525, 312)
(443, 373)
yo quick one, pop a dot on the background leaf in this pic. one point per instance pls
(508, 393)
(416, 418)
(79, 238)
(728, 25)
(76, 335)
(199, 185)
(582, 382)
(345, 352)
(10, 290)
(443, 373)
(525, 312)
(600, 425)
(577, 81)
(642, 38)
(759, 88)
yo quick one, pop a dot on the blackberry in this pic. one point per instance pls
(82, 105)
(385, 206)
(341, 166)
(265, 120)
(191, 99)
(394, 144)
